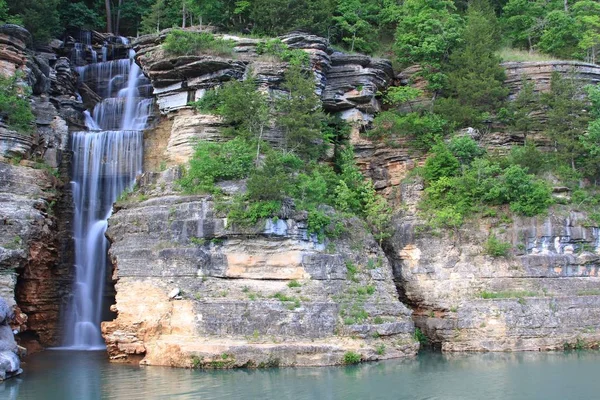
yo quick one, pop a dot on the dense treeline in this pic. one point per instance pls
(430, 28)
(457, 45)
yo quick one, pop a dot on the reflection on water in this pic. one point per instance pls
(55, 375)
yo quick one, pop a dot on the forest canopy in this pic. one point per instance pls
(418, 30)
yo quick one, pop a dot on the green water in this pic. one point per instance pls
(55, 375)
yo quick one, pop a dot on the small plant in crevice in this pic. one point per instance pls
(420, 337)
(497, 248)
(351, 357)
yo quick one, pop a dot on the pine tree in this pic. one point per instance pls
(475, 77)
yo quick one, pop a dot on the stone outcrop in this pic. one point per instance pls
(10, 365)
(227, 296)
(347, 84)
(540, 73)
(35, 255)
(544, 295)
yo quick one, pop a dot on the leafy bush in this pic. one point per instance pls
(442, 163)
(465, 149)
(423, 129)
(213, 162)
(15, 108)
(275, 47)
(248, 213)
(451, 196)
(420, 337)
(496, 248)
(351, 357)
(183, 43)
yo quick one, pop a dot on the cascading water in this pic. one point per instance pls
(106, 160)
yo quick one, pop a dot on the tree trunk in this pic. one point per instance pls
(108, 16)
(118, 21)
(183, 15)
(566, 5)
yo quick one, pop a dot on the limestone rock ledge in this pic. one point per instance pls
(547, 288)
(194, 292)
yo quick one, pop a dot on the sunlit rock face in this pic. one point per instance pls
(543, 295)
(191, 288)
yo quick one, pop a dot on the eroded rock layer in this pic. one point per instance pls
(543, 295)
(224, 296)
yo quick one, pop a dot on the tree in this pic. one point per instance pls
(587, 17)
(523, 21)
(567, 119)
(518, 113)
(475, 77)
(427, 32)
(40, 18)
(299, 113)
(275, 17)
(355, 30)
(560, 36)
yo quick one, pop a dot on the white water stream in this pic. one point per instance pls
(106, 160)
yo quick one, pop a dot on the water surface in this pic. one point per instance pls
(70, 375)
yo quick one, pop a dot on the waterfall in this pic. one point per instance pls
(106, 160)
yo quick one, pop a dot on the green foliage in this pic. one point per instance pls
(521, 22)
(465, 149)
(442, 163)
(560, 36)
(294, 284)
(275, 47)
(15, 108)
(423, 129)
(427, 32)
(351, 357)
(243, 212)
(475, 78)
(496, 248)
(517, 114)
(40, 18)
(398, 95)
(567, 119)
(79, 15)
(299, 114)
(271, 181)
(181, 43)
(276, 17)
(529, 158)
(508, 294)
(587, 15)
(213, 162)
(452, 195)
(354, 29)
(420, 337)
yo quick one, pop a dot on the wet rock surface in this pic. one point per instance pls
(10, 365)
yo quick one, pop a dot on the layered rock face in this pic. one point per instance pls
(224, 296)
(348, 85)
(230, 296)
(35, 255)
(547, 287)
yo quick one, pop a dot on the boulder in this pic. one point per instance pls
(9, 360)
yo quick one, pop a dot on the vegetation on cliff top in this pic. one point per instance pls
(15, 109)
(291, 171)
(424, 32)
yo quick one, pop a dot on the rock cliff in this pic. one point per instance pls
(543, 295)
(227, 296)
(35, 248)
